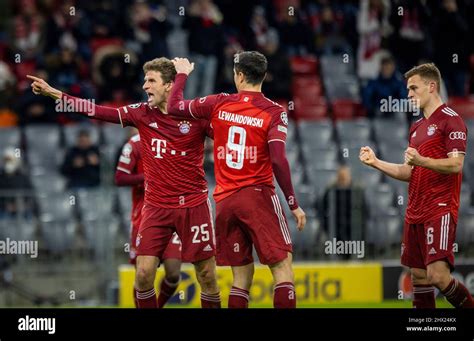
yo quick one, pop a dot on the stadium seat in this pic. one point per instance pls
(307, 65)
(100, 234)
(354, 131)
(95, 203)
(17, 229)
(306, 86)
(315, 133)
(335, 66)
(47, 183)
(380, 199)
(390, 131)
(365, 176)
(389, 230)
(71, 132)
(42, 138)
(345, 109)
(311, 111)
(320, 179)
(114, 135)
(342, 88)
(56, 206)
(317, 156)
(465, 229)
(58, 235)
(10, 137)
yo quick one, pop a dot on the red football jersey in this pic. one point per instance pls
(432, 194)
(172, 153)
(130, 162)
(243, 123)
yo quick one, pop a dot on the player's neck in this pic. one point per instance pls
(431, 107)
(250, 87)
(162, 107)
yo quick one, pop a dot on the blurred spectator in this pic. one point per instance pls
(278, 79)
(226, 77)
(205, 42)
(27, 29)
(111, 73)
(82, 163)
(61, 26)
(329, 32)
(296, 36)
(372, 25)
(148, 31)
(36, 109)
(451, 35)
(410, 40)
(343, 208)
(16, 197)
(8, 117)
(389, 83)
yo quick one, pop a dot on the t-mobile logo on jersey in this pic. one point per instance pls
(156, 147)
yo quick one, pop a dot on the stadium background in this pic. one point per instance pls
(325, 67)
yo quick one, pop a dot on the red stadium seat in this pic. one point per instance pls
(464, 106)
(311, 111)
(304, 65)
(346, 109)
(309, 85)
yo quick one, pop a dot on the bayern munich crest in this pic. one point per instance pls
(184, 127)
(431, 129)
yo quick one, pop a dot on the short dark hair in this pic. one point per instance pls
(427, 71)
(252, 64)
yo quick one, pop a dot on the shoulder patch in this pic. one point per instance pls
(127, 150)
(135, 138)
(134, 106)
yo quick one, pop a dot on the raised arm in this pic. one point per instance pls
(400, 172)
(70, 103)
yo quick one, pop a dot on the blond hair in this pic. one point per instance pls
(427, 71)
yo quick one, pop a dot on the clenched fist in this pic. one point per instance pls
(367, 156)
(182, 65)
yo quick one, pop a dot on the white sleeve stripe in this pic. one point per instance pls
(125, 110)
(124, 170)
(189, 107)
(276, 140)
(457, 151)
(120, 118)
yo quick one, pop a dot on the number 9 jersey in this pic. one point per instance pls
(243, 124)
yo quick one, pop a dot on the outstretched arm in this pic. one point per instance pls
(70, 103)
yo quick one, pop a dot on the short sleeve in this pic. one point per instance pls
(130, 114)
(204, 106)
(455, 138)
(278, 126)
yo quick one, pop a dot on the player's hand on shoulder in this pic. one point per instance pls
(300, 218)
(367, 156)
(183, 65)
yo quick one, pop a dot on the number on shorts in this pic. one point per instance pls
(238, 147)
(175, 239)
(429, 235)
(200, 231)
